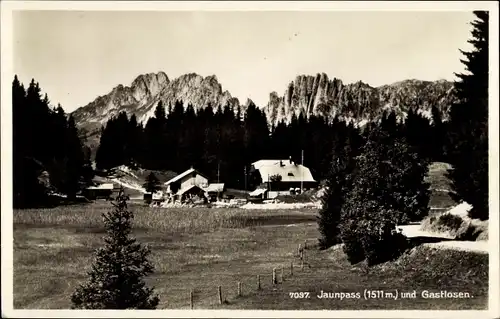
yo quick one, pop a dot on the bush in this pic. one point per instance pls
(460, 228)
(450, 221)
(387, 188)
(385, 246)
(353, 246)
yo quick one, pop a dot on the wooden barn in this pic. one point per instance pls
(104, 191)
(188, 178)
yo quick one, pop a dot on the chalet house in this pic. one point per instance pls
(188, 178)
(279, 177)
(193, 183)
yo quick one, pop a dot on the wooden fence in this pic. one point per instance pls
(274, 277)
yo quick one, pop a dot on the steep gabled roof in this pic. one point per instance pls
(186, 173)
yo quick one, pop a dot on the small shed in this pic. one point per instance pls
(258, 194)
(215, 190)
(153, 197)
(101, 191)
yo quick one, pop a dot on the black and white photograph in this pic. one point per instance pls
(212, 159)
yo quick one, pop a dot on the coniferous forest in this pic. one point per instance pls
(226, 141)
(48, 154)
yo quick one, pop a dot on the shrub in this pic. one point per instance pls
(450, 221)
(353, 247)
(460, 228)
(388, 188)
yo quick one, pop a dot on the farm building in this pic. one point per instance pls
(184, 185)
(192, 193)
(100, 191)
(215, 190)
(186, 179)
(258, 195)
(280, 176)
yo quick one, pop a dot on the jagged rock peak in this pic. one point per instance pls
(149, 78)
(318, 95)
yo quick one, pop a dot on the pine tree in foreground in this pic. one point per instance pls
(116, 277)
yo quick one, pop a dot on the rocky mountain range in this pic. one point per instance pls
(359, 101)
(307, 94)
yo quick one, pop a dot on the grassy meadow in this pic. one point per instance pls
(191, 249)
(201, 248)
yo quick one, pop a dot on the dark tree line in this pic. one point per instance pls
(221, 142)
(217, 142)
(48, 155)
(468, 127)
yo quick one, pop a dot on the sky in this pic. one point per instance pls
(79, 55)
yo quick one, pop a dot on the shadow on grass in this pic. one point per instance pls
(419, 240)
(276, 220)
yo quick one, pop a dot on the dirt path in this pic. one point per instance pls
(446, 242)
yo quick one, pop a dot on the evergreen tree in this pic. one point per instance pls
(75, 159)
(438, 135)
(152, 184)
(337, 187)
(116, 278)
(468, 127)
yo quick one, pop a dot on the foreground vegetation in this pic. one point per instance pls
(418, 270)
(202, 248)
(195, 248)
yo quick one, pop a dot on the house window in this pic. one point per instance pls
(290, 174)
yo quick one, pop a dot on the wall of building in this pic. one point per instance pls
(197, 180)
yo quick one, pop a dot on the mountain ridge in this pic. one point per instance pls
(308, 94)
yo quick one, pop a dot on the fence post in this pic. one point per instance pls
(258, 282)
(282, 275)
(239, 289)
(302, 261)
(275, 281)
(219, 290)
(191, 302)
(291, 268)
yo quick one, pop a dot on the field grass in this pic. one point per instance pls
(440, 186)
(201, 248)
(420, 269)
(192, 249)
